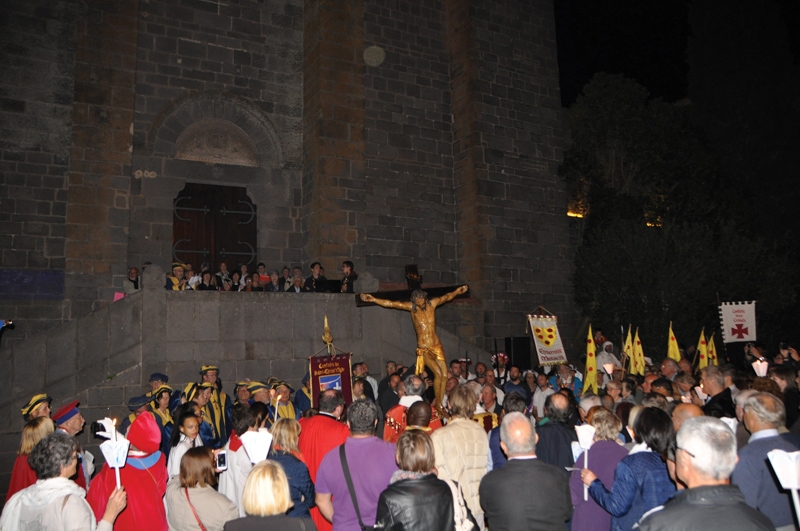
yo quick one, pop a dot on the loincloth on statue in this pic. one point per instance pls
(435, 353)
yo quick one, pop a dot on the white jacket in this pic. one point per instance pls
(55, 504)
(232, 480)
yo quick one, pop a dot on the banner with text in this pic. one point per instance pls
(547, 340)
(330, 372)
(738, 321)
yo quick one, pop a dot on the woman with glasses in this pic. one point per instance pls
(55, 501)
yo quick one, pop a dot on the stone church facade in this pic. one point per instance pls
(379, 131)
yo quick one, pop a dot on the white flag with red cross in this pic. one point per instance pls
(738, 321)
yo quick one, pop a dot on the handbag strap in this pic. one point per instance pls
(350, 488)
(459, 509)
(202, 527)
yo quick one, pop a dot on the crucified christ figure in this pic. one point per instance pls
(429, 349)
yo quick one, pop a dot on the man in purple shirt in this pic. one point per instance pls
(371, 462)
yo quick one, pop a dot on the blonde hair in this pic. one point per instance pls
(33, 432)
(415, 452)
(266, 491)
(462, 402)
(285, 433)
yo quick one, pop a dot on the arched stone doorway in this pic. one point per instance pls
(220, 140)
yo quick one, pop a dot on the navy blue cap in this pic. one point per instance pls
(138, 401)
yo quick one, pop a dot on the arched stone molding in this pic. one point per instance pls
(176, 152)
(195, 107)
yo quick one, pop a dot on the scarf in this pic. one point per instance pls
(166, 418)
(285, 411)
(37, 497)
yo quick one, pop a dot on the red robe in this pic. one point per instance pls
(319, 435)
(22, 476)
(145, 487)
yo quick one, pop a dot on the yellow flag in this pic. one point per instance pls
(672, 349)
(638, 355)
(702, 351)
(590, 378)
(628, 348)
(712, 351)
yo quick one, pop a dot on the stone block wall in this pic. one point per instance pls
(410, 196)
(234, 69)
(510, 134)
(99, 165)
(38, 42)
(333, 194)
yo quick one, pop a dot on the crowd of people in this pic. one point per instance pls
(502, 453)
(184, 277)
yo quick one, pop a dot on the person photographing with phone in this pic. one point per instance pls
(191, 499)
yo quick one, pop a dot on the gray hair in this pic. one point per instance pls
(51, 454)
(711, 444)
(588, 401)
(767, 409)
(670, 361)
(415, 386)
(743, 395)
(475, 387)
(361, 416)
(518, 434)
(712, 372)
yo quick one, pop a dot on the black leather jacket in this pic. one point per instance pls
(420, 504)
(709, 507)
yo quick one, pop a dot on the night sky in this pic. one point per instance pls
(642, 39)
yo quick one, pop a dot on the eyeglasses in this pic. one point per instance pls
(685, 450)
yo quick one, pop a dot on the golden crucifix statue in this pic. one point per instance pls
(429, 349)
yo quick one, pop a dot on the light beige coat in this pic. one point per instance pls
(462, 455)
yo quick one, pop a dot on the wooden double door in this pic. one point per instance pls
(213, 224)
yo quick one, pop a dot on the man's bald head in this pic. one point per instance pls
(557, 408)
(684, 412)
(419, 414)
(517, 435)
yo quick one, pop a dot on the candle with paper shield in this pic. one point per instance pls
(787, 468)
(609, 368)
(115, 452)
(700, 393)
(760, 366)
(256, 444)
(585, 440)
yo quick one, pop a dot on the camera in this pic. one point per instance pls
(96, 427)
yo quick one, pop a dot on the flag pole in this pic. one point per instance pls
(724, 345)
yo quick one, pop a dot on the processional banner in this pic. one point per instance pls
(547, 340)
(738, 321)
(330, 372)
